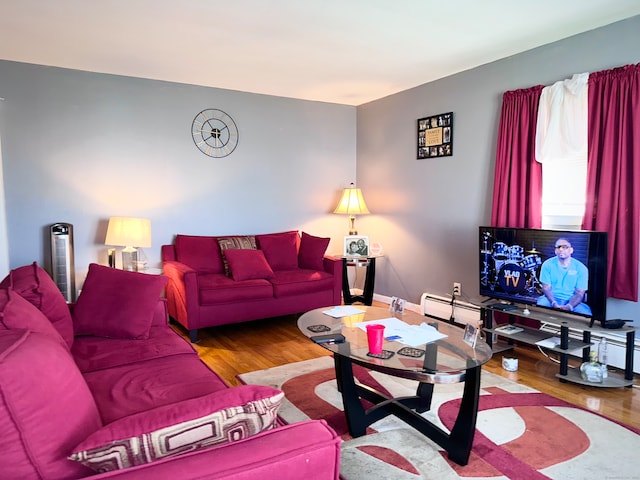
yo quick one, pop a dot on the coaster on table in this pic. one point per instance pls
(411, 352)
(318, 328)
(384, 355)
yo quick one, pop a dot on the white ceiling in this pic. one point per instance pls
(340, 51)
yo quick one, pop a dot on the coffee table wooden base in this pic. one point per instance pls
(457, 443)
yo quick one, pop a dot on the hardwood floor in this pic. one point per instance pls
(234, 349)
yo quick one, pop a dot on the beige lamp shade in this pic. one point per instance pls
(129, 232)
(352, 203)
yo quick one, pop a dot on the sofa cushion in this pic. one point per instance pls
(280, 249)
(312, 250)
(246, 242)
(300, 282)
(215, 288)
(199, 252)
(222, 417)
(247, 264)
(46, 408)
(36, 286)
(143, 385)
(116, 303)
(16, 313)
(97, 353)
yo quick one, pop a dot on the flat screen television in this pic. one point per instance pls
(531, 266)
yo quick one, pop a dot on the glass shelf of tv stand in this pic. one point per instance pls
(566, 322)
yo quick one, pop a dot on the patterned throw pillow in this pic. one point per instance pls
(221, 417)
(247, 242)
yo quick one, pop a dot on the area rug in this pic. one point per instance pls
(520, 433)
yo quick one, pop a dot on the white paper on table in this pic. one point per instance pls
(346, 311)
(412, 335)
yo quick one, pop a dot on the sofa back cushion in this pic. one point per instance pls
(199, 252)
(18, 314)
(116, 303)
(36, 286)
(280, 249)
(46, 408)
(312, 250)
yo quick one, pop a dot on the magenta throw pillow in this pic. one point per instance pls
(16, 313)
(45, 406)
(280, 249)
(117, 304)
(217, 418)
(312, 250)
(247, 264)
(36, 286)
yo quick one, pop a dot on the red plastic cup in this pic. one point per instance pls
(375, 336)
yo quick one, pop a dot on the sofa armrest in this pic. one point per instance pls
(181, 291)
(332, 265)
(307, 450)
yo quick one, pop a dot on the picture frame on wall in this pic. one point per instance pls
(356, 246)
(435, 136)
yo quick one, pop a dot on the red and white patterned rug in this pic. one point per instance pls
(521, 433)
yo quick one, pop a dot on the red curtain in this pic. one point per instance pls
(517, 183)
(613, 173)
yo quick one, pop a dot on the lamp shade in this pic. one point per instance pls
(129, 232)
(352, 202)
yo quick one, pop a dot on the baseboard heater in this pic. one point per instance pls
(440, 307)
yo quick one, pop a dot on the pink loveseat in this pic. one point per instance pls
(229, 279)
(109, 390)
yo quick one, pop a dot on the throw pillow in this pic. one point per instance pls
(280, 249)
(45, 406)
(247, 242)
(247, 264)
(36, 286)
(221, 417)
(312, 250)
(16, 313)
(116, 303)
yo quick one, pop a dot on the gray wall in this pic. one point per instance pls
(427, 212)
(80, 147)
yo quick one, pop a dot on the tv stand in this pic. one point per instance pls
(566, 345)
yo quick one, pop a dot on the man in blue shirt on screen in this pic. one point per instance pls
(564, 281)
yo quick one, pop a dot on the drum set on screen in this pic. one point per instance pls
(510, 269)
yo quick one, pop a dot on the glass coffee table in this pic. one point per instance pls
(446, 360)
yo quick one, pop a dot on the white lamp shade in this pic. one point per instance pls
(352, 202)
(129, 232)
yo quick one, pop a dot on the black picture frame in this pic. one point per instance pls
(435, 136)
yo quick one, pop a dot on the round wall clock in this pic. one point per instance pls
(214, 133)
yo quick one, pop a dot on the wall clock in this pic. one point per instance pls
(214, 133)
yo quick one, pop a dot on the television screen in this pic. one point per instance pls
(557, 269)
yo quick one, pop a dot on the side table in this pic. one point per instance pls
(369, 262)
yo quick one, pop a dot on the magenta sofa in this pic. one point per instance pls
(229, 279)
(107, 389)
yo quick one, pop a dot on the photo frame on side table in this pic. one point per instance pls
(356, 246)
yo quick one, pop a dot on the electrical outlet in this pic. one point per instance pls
(457, 289)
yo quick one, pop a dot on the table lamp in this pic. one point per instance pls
(129, 233)
(352, 204)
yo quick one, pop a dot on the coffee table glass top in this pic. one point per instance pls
(440, 361)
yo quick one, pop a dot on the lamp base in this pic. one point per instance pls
(130, 260)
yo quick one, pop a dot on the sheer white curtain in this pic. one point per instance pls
(561, 148)
(4, 240)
